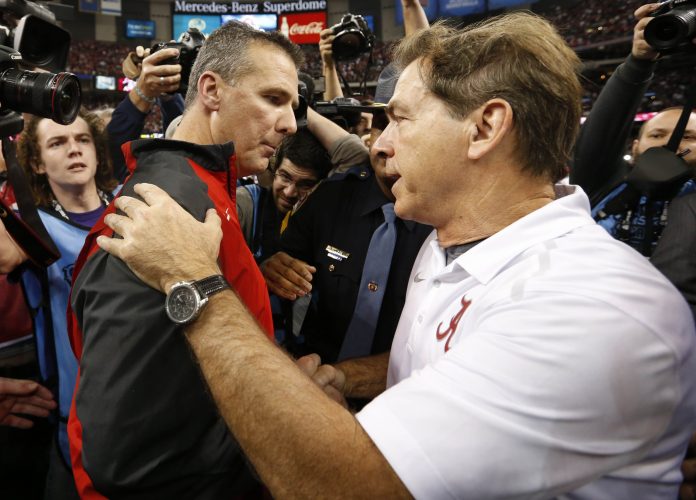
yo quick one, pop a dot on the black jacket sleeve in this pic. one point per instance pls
(675, 254)
(597, 164)
(126, 125)
(149, 424)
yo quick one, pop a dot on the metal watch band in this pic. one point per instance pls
(211, 285)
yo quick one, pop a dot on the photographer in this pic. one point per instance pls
(69, 171)
(155, 83)
(598, 166)
(414, 20)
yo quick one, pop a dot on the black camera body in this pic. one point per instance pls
(672, 27)
(189, 45)
(352, 38)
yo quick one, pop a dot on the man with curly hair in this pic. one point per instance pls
(69, 170)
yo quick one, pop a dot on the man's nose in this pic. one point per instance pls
(286, 123)
(74, 146)
(384, 145)
(290, 191)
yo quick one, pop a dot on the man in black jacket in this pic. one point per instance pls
(143, 424)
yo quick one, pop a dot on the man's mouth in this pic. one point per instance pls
(77, 166)
(268, 149)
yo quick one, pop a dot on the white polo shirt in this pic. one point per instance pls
(548, 360)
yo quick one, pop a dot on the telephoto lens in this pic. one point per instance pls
(51, 95)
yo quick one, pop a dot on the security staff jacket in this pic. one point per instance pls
(332, 231)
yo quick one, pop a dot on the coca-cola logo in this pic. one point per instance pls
(313, 28)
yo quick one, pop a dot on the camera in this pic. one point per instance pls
(30, 36)
(30, 29)
(673, 26)
(352, 38)
(52, 95)
(189, 44)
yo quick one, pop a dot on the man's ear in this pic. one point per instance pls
(634, 151)
(39, 169)
(490, 124)
(210, 89)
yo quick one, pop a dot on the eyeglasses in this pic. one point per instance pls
(303, 186)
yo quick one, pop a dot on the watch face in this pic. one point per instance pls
(181, 304)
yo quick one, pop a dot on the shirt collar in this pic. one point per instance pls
(570, 210)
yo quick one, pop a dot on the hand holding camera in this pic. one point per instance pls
(326, 38)
(158, 76)
(642, 49)
(133, 63)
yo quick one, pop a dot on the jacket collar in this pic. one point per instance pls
(213, 157)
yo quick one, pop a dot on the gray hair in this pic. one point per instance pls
(225, 52)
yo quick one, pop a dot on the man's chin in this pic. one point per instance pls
(284, 208)
(251, 167)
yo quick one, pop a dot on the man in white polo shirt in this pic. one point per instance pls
(536, 356)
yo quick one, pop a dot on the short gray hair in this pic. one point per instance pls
(226, 53)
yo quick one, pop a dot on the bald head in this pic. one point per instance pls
(657, 131)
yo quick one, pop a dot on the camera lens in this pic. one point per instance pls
(349, 45)
(671, 30)
(51, 95)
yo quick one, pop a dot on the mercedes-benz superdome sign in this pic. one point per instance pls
(184, 7)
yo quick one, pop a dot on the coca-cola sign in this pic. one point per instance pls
(303, 28)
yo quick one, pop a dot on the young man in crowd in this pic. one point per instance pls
(536, 356)
(301, 162)
(143, 423)
(69, 170)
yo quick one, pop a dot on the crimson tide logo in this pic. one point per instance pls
(304, 28)
(448, 333)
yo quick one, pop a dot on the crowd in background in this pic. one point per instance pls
(582, 24)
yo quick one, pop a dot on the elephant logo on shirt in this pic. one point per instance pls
(454, 321)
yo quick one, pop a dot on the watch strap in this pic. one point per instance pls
(211, 285)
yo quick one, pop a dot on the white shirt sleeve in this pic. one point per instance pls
(530, 404)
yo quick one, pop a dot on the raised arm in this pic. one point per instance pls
(598, 152)
(332, 85)
(344, 148)
(414, 16)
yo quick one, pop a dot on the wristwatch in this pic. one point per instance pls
(186, 299)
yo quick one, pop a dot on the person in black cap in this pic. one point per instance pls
(324, 251)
